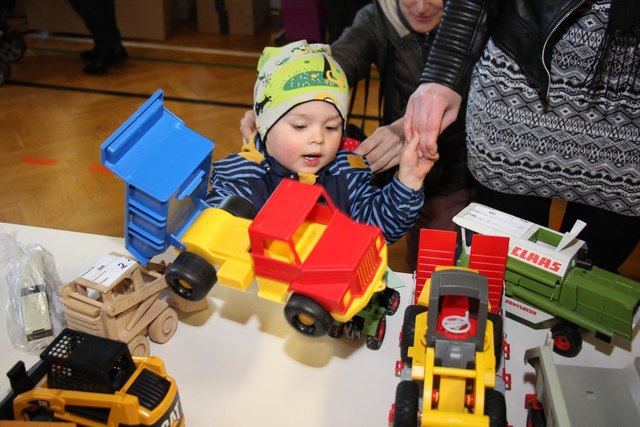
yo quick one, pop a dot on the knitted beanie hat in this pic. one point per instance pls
(293, 74)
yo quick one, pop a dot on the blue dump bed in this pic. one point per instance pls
(165, 167)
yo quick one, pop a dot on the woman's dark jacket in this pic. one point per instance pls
(399, 60)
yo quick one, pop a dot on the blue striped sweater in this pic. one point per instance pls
(254, 175)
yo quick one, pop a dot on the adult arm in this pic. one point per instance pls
(461, 36)
(247, 125)
(383, 147)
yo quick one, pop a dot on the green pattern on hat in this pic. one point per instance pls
(293, 74)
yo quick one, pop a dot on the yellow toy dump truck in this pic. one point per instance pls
(118, 298)
(93, 381)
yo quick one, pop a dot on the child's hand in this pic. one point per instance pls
(413, 168)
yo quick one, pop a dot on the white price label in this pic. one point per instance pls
(509, 224)
(108, 269)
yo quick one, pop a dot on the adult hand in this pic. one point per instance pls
(431, 108)
(247, 125)
(414, 168)
(382, 149)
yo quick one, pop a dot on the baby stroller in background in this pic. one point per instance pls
(12, 44)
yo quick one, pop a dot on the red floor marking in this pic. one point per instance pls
(39, 161)
(99, 169)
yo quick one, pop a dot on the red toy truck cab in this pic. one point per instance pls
(319, 250)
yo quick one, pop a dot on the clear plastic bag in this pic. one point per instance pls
(34, 311)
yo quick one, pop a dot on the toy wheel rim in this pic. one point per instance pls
(164, 326)
(382, 330)
(139, 346)
(185, 285)
(562, 342)
(305, 319)
(395, 304)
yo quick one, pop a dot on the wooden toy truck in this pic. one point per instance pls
(117, 298)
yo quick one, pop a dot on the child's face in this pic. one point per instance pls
(307, 138)
(423, 15)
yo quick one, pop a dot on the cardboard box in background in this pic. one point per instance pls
(137, 19)
(242, 17)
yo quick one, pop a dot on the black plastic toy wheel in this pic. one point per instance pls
(307, 316)
(567, 341)
(408, 330)
(5, 72)
(390, 300)
(238, 206)
(535, 418)
(41, 414)
(12, 47)
(407, 399)
(374, 342)
(495, 408)
(497, 336)
(191, 276)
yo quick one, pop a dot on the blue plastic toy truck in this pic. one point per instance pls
(163, 196)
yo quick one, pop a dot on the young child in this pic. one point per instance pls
(300, 103)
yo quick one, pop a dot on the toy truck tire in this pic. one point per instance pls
(374, 342)
(390, 300)
(535, 413)
(567, 341)
(41, 414)
(407, 404)
(238, 206)
(495, 407)
(497, 336)
(408, 330)
(139, 346)
(164, 326)
(191, 276)
(307, 316)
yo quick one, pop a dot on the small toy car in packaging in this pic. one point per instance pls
(34, 314)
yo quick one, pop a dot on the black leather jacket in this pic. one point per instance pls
(524, 29)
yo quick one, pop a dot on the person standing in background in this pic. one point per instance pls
(100, 18)
(553, 111)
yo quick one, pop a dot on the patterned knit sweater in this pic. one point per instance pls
(582, 146)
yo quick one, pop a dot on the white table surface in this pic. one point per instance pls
(239, 363)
